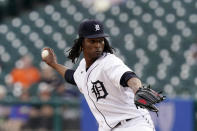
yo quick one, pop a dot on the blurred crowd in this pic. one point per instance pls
(27, 83)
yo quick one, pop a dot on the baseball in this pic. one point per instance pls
(45, 53)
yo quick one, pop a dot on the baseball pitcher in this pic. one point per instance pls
(112, 90)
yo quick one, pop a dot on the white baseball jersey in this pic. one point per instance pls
(100, 84)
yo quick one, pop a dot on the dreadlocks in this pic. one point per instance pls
(76, 50)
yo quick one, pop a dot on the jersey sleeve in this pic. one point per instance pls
(114, 69)
(126, 76)
(69, 76)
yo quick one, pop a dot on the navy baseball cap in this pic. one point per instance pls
(91, 28)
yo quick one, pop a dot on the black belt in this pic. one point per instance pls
(119, 123)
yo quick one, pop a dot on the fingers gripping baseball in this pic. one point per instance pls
(48, 56)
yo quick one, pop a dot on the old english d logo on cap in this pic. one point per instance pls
(91, 28)
(97, 27)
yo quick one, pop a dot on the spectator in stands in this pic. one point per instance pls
(2, 92)
(25, 73)
(19, 114)
(46, 122)
(4, 110)
(1, 66)
(193, 49)
(49, 76)
(41, 117)
(44, 91)
(33, 123)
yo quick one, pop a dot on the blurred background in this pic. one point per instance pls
(157, 39)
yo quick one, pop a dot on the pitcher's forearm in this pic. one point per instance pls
(134, 83)
(61, 69)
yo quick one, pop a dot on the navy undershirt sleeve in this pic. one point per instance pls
(125, 77)
(69, 76)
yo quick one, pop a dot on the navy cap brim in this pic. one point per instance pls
(97, 36)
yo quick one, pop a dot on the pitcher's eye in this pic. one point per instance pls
(92, 41)
(101, 41)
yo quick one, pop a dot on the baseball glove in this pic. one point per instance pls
(146, 98)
